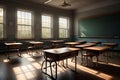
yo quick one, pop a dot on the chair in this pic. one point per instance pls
(87, 57)
(32, 47)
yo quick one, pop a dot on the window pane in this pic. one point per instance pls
(1, 19)
(1, 30)
(46, 26)
(46, 21)
(1, 11)
(24, 32)
(63, 22)
(46, 33)
(1, 22)
(63, 27)
(63, 33)
(24, 24)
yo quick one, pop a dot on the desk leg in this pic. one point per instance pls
(97, 61)
(67, 63)
(56, 70)
(51, 68)
(46, 65)
(75, 63)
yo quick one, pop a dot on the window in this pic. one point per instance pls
(63, 27)
(24, 24)
(46, 26)
(1, 23)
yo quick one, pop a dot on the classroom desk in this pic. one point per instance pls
(58, 54)
(81, 42)
(13, 46)
(34, 45)
(82, 46)
(97, 50)
(72, 44)
(85, 45)
(56, 43)
(97, 42)
(112, 45)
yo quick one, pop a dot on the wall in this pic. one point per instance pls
(94, 13)
(12, 5)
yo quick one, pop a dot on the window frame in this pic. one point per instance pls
(32, 23)
(68, 27)
(51, 27)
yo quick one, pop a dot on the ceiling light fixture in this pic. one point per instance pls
(65, 4)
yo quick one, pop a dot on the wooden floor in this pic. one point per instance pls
(29, 68)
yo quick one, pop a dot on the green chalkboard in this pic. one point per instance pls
(104, 26)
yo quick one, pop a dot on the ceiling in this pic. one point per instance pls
(80, 5)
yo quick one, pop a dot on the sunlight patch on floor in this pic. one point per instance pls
(36, 65)
(93, 72)
(31, 59)
(114, 65)
(17, 70)
(26, 55)
(29, 75)
(24, 72)
(21, 77)
(5, 60)
(30, 67)
(24, 68)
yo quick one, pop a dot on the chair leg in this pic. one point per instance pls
(97, 61)
(91, 60)
(72, 59)
(67, 63)
(82, 57)
(87, 59)
(56, 70)
(42, 65)
(51, 68)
